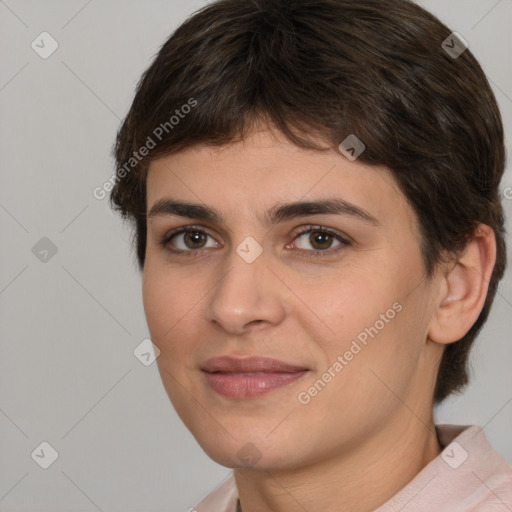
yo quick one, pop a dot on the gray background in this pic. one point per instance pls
(69, 324)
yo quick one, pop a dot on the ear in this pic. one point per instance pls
(463, 288)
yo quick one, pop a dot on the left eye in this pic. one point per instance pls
(322, 238)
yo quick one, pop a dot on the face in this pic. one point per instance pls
(336, 295)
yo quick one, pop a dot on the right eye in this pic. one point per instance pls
(193, 236)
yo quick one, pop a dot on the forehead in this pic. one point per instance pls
(265, 169)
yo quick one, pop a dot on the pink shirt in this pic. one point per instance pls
(467, 476)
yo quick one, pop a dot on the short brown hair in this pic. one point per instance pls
(331, 68)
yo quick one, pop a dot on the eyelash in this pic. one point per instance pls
(310, 229)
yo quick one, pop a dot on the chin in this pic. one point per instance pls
(255, 451)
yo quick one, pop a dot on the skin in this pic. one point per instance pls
(371, 426)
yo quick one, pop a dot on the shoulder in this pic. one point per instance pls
(478, 476)
(467, 476)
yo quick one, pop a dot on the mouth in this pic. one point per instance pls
(247, 385)
(249, 377)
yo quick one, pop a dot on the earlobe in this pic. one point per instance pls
(464, 288)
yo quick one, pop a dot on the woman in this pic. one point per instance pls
(318, 225)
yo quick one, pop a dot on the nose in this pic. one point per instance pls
(247, 294)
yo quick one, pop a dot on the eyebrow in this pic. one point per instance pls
(278, 213)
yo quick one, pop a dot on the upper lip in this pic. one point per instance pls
(248, 364)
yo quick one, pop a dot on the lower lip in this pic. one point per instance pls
(246, 385)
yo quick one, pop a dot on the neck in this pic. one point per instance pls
(384, 464)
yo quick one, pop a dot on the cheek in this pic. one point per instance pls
(172, 304)
(162, 304)
(373, 322)
(169, 327)
(156, 302)
(352, 304)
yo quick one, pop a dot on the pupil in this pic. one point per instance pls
(320, 235)
(191, 235)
